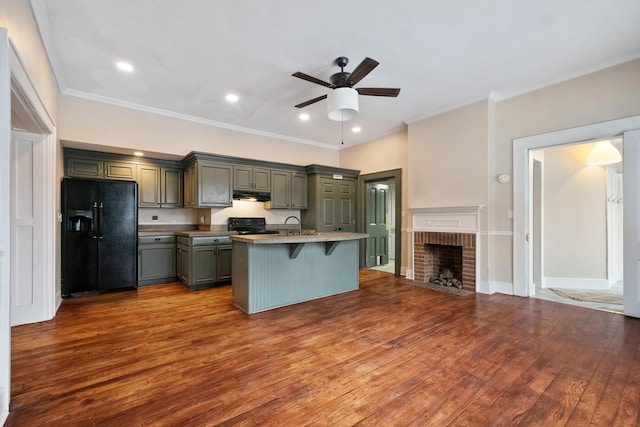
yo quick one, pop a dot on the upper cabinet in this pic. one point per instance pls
(159, 181)
(288, 190)
(79, 166)
(248, 178)
(207, 183)
(159, 187)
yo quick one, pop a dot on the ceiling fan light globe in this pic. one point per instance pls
(342, 104)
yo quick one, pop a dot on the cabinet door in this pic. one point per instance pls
(261, 179)
(179, 261)
(120, 170)
(156, 263)
(148, 186)
(84, 168)
(299, 191)
(327, 220)
(280, 190)
(223, 267)
(185, 267)
(190, 186)
(171, 188)
(346, 206)
(242, 178)
(214, 184)
(203, 265)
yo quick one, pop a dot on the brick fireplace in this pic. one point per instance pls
(446, 240)
(434, 251)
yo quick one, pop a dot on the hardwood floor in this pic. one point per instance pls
(387, 354)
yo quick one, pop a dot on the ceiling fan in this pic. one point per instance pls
(343, 99)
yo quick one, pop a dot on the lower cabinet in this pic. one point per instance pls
(203, 261)
(156, 259)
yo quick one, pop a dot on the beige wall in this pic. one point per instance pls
(108, 125)
(383, 154)
(448, 157)
(605, 95)
(575, 221)
(16, 16)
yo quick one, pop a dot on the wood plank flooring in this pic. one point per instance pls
(389, 353)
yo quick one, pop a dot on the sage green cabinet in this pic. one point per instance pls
(203, 261)
(159, 187)
(332, 200)
(224, 262)
(120, 170)
(299, 191)
(156, 259)
(288, 190)
(208, 184)
(95, 168)
(249, 178)
(80, 167)
(182, 262)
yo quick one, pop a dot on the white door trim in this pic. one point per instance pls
(521, 185)
(5, 215)
(631, 210)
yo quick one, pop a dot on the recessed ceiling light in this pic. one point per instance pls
(124, 66)
(232, 97)
(356, 129)
(138, 153)
(304, 117)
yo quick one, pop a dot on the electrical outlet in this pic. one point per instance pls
(154, 218)
(202, 219)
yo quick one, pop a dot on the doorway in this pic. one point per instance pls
(521, 205)
(380, 216)
(576, 226)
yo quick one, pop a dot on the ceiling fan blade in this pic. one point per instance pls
(378, 91)
(311, 79)
(311, 101)
(364, 68)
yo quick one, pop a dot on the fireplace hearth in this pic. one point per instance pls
(445, 247)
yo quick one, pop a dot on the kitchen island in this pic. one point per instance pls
(271, 271)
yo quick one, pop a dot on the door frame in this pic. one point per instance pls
(17, 88)
(394, 175)
(522, 185)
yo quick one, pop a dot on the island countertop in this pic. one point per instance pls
(272, 239)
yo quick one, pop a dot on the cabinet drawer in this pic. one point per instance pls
(210, 240)
(147, 240)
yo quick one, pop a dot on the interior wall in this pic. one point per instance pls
(575, 232)
(609, 94)
(448, 158)
(92, 122)
(379, 155)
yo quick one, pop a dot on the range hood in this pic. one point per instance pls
(252, 196)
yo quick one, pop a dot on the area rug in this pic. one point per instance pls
(590, 296)
(447, 289)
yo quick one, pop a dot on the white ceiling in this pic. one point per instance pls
(443, 54)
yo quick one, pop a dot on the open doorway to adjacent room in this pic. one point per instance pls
(577, 225)
(379, 213)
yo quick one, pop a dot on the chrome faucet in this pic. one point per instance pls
(299, 223)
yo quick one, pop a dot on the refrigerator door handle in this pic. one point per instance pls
(100, 210)
(95, 220)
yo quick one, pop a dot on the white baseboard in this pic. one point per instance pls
(493, 287)
(409, 273)
(575, 283)
(3, 417)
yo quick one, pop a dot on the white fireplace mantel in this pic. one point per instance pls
(457, 219)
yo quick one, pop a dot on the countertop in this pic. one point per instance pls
(271, 239)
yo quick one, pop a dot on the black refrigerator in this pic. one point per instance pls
(99, 236)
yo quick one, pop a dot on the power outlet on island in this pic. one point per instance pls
(154, 218)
